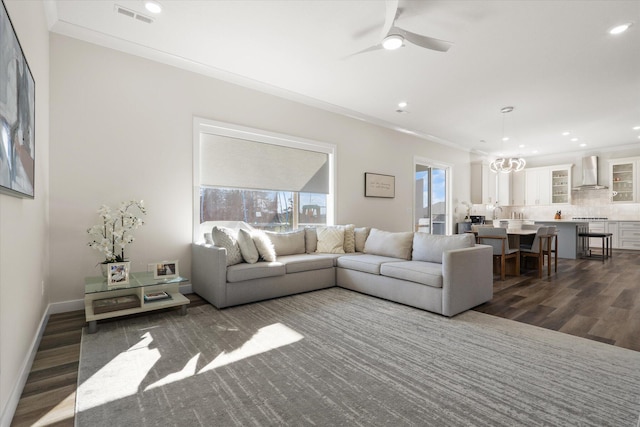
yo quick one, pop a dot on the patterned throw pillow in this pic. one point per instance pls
(349, 238)
(330, 240)
(224, 238)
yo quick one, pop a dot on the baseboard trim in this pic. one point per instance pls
(9, 410)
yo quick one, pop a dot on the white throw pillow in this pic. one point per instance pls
(290, 243)
(224, 238)
(330, 240)
(247, 247)
(310, 239)
(386, 243)
(361, 234)
(264, 245)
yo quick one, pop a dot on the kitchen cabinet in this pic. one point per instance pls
(517, 188)
(483, 184)
(503, 197)
(537, 186)
(612, 227)
(629, 235)
(561, 184)
(623, 175)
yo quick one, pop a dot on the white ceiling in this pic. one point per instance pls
(554, 61)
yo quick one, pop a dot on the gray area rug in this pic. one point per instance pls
(337, 358)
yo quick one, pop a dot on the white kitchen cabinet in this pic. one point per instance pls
(518, 188)
(612, 227)
(623, 176)
(629, 235)
(483, 184)
(561, 184)
(537, 186)
(503, 197)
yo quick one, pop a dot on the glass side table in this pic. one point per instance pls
(142, 293)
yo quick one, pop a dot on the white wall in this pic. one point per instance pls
(122, 128)
(24, 254)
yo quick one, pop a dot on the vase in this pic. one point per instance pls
(104, 268)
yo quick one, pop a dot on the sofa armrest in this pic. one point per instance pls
(209, 273)
(467, 278)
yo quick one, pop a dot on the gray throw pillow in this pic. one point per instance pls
(386, 243)
(224, 238)
(290, 243)
(361, 234)
(430, 247)
(247, 247)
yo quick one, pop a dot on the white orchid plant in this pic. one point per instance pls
(114, 233)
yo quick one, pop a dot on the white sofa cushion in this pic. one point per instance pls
(425, 273)
(365, 263)
(247, 246)
(289, 243)
(386, 243)
(259, 270)
(225, 238)
(306, 262)
(264, 246)
(330, 240)
(429, 247)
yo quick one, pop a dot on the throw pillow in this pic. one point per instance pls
(247, 247)
(224, 238)
(349, 238)
(310, 239)
(208, 239)
(290, 243)
(264, 246)
(330, 240)
(386, 243)
(361, 235)
(429, 247)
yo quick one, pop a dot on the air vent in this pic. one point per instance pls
(133, 14)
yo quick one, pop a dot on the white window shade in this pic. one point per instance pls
(239, 163)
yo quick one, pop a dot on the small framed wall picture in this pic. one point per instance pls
(165, 270)
(377, 185)
(118, 273)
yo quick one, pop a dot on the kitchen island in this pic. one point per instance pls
(569, 244)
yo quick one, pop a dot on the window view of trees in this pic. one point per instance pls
(268, 210)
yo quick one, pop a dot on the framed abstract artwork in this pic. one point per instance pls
(17, 115)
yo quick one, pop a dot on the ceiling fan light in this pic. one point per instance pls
(392, 42)
(153, 6)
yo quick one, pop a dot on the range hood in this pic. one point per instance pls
(590, 174)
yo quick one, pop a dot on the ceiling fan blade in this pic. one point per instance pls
(369, 49)
(423, 41)
(390, 17)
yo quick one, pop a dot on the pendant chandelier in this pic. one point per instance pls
(507, 164)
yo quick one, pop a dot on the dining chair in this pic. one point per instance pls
(536, 249)
(497, 238)
(551, 248)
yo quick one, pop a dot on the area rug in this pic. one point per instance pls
(340, 358)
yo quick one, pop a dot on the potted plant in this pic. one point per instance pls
(114, 233)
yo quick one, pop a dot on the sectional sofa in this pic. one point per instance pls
(442, 274)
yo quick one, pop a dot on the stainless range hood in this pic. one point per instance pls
(590, 174)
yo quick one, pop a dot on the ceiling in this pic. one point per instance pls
(554, 61)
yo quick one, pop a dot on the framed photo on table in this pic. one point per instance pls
(166, 270)
(118, 273)
(377, 185)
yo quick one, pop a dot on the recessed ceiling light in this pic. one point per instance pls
(620, 28)
(574, 139)
(521, 145)
(153, 6)
(402, 104)
(583, 145)
(535, 151)
(636, 128)
(566, 133)
(506, 138)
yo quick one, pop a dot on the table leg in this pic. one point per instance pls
(93, 326)
(183, 310)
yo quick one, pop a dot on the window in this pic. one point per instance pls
(432, 197)
(268, 180)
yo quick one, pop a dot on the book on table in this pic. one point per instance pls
(106, 305)
(155, 296)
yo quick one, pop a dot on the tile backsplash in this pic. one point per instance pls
(584, 203)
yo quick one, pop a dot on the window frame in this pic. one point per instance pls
(202, 125)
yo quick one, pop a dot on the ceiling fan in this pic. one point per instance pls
(393, 37)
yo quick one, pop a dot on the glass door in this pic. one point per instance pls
(622, 182)
(431, 199)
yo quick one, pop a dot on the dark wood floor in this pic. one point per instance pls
(588, 298)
